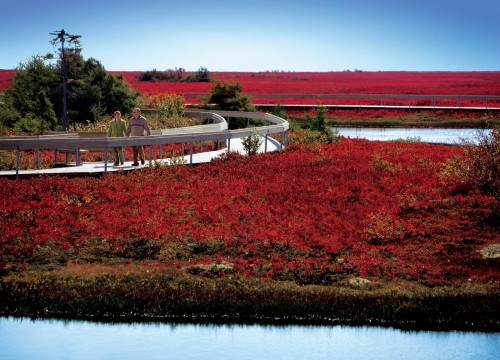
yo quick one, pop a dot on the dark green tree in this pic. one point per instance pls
(33, 102)
(228, 96)
(46, 112)
(32, 93)
(280, 111)
(62, 37)
(153, 75)
(199, 76)
(318, 124)
(8, 116)
(97, 93)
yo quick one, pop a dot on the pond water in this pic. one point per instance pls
(22, 338)
(442, 136)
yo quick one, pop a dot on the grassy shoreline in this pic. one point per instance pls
(411, 120)
(147, 293)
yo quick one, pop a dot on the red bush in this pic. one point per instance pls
(373, 209)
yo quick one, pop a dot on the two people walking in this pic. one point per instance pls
(137, 126)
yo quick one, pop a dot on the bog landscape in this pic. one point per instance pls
(347, 231)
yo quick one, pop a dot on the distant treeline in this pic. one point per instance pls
(177, 75)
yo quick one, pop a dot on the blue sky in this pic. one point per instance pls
(288, 35)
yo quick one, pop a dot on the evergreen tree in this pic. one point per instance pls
(319, 125)
(227, 96)
(61, 37)
(43, 92)
(32, 93)
(199, 76)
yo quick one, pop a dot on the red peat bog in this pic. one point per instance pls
(356, 232)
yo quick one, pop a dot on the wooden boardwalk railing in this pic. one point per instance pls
(375, 101)
(217, 130)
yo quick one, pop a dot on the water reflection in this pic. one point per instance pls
(441, 136)
(56, 339)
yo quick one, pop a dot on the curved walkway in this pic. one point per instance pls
(216, 129)
(99, 167)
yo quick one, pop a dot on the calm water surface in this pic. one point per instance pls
(442, 136)
(57, 339)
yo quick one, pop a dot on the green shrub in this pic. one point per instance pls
(171, 112)
(227, 96)
(480, 167)
(279, 111)
(199, 76)
(252, 143)
(318, 125)
(28, 124)
(8, 115)
(308, 136)
(153, 75)
(176, 75)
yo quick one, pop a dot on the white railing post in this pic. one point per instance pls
(18, 160)
(191, 153)
(106, 158)
(78, 157)
(150, 154)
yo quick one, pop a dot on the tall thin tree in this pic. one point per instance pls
(62, 36)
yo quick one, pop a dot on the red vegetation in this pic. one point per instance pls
(6, 79)
(401, 82)
(456, 83)
(373, 209)
(326, 83)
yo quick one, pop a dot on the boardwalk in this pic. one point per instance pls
(215, 128)
(372, 101)
(376, 107)
(97, 168)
